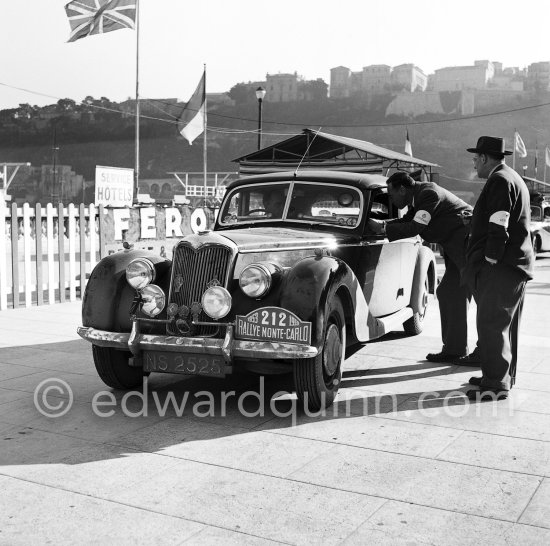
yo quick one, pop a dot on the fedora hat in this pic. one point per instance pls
(489, 145)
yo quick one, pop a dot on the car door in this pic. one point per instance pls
(387, 275)
(545, 229)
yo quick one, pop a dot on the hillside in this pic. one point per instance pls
(108, 139)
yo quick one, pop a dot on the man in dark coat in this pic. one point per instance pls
(437, 216)
(499, 262)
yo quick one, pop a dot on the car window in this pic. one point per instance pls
(325, 204)
(255, 203)
(536, 213)
(312, 202)
(380, 207)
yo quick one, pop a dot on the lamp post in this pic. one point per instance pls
(260, 94)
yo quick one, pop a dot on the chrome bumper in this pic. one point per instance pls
(229, 347)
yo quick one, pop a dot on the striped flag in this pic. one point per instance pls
(519, 145)
(408, 147)
(88, 17)
(192, 121)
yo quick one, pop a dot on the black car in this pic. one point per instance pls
(288, 277)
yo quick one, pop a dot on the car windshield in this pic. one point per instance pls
(320, 203)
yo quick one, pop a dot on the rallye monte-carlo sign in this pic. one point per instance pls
(275, 324)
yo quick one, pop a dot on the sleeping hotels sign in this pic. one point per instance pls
(113, 186)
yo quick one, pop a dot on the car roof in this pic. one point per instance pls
(365, 181)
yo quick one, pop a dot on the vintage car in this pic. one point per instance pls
(540, 227)
(287, 279)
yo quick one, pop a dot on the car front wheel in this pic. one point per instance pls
(316, 380)
(114, 370)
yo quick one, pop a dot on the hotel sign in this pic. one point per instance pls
(114, 186)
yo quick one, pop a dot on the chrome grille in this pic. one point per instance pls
(198, 267)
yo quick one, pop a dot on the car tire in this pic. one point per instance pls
(415, 324)
(114, 370)
(536, 245)
(317, 380)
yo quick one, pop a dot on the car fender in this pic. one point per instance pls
(309, 285)
(425, 266)
(108, 295)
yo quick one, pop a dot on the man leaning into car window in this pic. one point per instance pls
(274, 203)
(438, 216)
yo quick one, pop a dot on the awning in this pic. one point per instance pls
(317, 150)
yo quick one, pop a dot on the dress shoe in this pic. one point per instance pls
(443, 357)
(476, 381)
(485, 393)
(472, 359)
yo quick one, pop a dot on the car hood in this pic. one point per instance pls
(275, 238)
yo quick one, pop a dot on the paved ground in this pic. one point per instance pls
(386, 469)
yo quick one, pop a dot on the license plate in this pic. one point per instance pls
(273, 324)
(190, 364)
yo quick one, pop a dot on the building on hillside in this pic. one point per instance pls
(376, 79)
(292, 87)
(456, 78)
(408, 77)
(312, 90)
(356, 84)
(538, 76)
(340, 82)
(282, 87)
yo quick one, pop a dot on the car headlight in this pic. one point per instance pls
(153, 299)
(216, 302)
(255, 280)
(140, 272)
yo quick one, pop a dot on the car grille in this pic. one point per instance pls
(197, 267)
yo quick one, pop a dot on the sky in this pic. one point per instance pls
(242, 40)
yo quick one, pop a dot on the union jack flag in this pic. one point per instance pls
(88, 17)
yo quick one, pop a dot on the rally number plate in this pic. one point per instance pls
(273, 324)
(190, 364)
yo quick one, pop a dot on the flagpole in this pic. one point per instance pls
(136, 171)
(536, 158)
(514, 155)
(204, 140)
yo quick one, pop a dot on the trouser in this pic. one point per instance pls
(499, 292)
(454, 299)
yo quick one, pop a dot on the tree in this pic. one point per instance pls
(242, 93)
(66, 105)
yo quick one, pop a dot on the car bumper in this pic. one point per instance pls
(228, 347)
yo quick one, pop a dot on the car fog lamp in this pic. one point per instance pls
(216, 302)
(153, 299)
(140, 273)
(255, 280)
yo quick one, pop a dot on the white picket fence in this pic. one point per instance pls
(46, 253)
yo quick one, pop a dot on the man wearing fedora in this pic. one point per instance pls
(437, 216)
(499, 262)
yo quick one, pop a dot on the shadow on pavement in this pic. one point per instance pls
(169, 410)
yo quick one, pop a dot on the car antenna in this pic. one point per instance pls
(307, 150)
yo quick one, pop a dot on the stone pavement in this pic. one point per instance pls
(406, 459)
